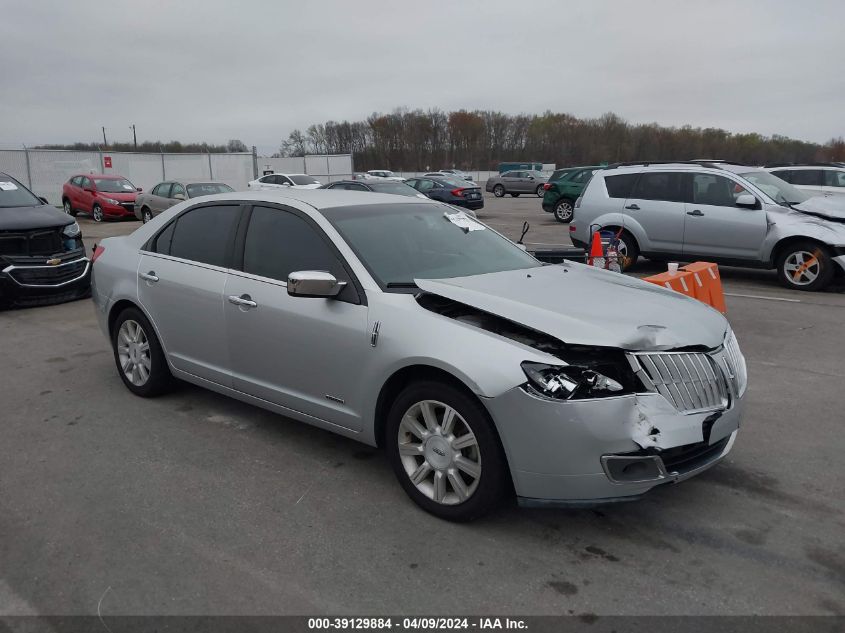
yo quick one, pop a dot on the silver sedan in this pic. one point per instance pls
(406, 324)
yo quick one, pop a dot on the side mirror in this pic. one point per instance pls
(43, 199)
(530, 177)
(285, 184)
(179, 196)
(139, 189)
(313, 283)
(746, 200)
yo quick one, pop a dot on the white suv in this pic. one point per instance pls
(726, 213)
(820, 179)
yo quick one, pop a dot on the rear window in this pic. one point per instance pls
(303, 180)
(208, 189)
(620, 186)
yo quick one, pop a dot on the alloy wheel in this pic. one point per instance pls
(563, 211)
(133, 352)
(498, 191)
(439, 452)
(540, 191)
(66, 207)
(146, 215)
(802, 268)
(98, 213)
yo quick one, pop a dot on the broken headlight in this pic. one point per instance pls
(568, 382)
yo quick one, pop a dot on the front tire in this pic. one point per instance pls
(564, 210)
(540, 191)
(629, 250)
(805, 266)
(97, 212)
(68, 208)
(146, 215)
(445, 451)
(138, 355)
(499, 191)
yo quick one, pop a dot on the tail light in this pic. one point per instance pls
(458, 192)
(98, 250)
(547, 186)
(571, 228)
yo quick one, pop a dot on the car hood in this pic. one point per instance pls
(127, 196)
(828, 206)
(581, 305)
(25, 218)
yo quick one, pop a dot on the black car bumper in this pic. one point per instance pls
(475, 204)
(32, 281)
(548, 207)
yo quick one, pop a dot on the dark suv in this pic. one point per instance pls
(562, 193)
(42, 259)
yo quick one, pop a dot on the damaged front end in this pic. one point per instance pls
(615, 422)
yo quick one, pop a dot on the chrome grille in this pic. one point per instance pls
(735, 364)
(690, 381)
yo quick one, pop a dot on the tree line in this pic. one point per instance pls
(174, 147)
(415, 140)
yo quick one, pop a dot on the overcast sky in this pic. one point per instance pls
(209, 70)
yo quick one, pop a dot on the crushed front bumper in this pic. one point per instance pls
(584, 452)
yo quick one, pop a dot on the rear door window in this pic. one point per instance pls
(204, 234)
(620, 186)
(808, 177)
(659, 185)
(784, 174)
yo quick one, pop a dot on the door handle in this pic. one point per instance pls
(696, 213)
(243, 301)
(150, 276)
(633, 207)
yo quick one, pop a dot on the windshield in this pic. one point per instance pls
(394, 187)
(456, 181)
(778, 190)
(400, 243)
(302, 179)
(112, 185)
(14, 194)
(207, 189)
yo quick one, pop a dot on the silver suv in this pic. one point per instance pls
(726, 213)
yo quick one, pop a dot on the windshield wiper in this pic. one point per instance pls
(402, 284)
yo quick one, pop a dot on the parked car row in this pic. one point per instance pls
(722, 212)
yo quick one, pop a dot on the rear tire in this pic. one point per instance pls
(499, 191)
(805, 266)
(564, 210)
(458, 465)
(630, 249)
(138, 355)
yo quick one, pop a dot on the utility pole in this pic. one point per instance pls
(105, 142)
(134, 137)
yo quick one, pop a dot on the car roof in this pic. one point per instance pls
(191, 181)
(278, 173)
(320, 199)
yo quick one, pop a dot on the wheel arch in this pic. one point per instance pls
(400, 379)
(781, 245)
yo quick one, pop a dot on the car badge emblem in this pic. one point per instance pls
(54, 262)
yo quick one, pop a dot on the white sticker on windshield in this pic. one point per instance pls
(463, 221)
(8, 186)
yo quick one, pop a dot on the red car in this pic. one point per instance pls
(100, 195)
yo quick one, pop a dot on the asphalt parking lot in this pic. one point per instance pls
(197, 504)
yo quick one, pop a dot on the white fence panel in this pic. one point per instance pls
(187, 166)
(51, 169)
(13, 162)
(143, 170)
(233, 169)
